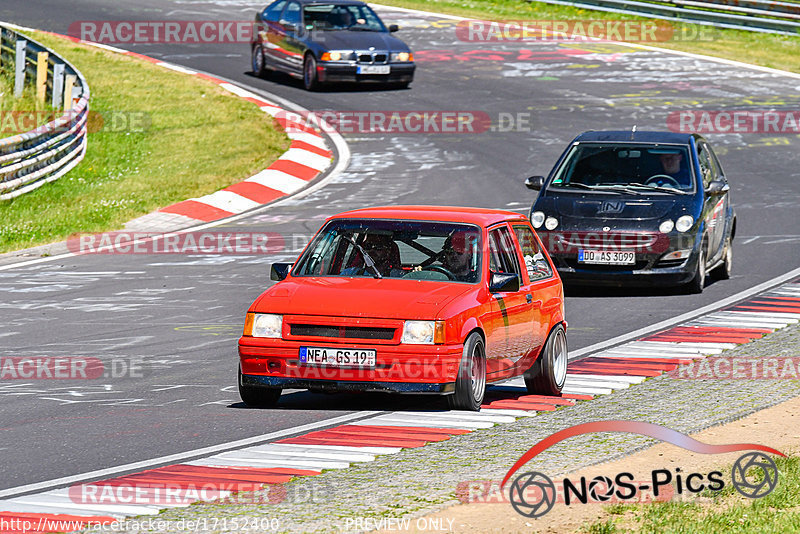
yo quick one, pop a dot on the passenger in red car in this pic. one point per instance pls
(457, 255)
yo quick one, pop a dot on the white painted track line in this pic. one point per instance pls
(344, 448)
(228, 201)
(299, 451)
(628, 379)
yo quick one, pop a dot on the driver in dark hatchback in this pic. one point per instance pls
(327, 42)
(636, 208)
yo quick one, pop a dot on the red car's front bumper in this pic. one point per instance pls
(399, 368)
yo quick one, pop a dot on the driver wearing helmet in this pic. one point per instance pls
(458, 253)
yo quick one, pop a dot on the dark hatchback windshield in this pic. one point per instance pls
(326, 17)
(413, 250)
(634, 167)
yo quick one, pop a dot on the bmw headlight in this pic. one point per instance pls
(336, 55)
(537, 219)
(684, 222)
(666, 226)
(401, 57)
(263, 325)
(551, 223)
(423, 332)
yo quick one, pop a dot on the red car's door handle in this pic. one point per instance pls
(529, 298)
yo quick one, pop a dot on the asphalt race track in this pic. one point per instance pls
(179, 316)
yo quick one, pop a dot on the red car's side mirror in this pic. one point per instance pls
(504, 282)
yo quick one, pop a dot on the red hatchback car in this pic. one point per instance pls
(409, 299)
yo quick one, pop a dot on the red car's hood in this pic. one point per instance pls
(360, 297)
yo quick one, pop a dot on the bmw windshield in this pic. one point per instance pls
(338, 17)
(633, 168)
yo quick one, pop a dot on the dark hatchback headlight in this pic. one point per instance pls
(338, 55)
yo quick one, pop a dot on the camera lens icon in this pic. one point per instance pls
(754, 475)
(533, 494)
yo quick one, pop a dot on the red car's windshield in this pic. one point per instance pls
(414, 250)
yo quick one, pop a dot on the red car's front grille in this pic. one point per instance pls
(342, 329)
(347, 332)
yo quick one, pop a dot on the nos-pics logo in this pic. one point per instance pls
(533, 494)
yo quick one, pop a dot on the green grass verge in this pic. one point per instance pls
(197, 139)
(713, 512)
(776, 51)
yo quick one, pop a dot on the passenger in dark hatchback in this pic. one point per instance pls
(636, 208)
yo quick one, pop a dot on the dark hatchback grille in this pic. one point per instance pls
(348, 332)
(365, 58)
(380, 58)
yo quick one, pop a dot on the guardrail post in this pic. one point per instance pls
(41, 75)
(69, 83)
(19, 72)
(58, 85)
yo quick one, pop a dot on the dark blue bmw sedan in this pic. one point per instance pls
(636, 208)
(326, 42)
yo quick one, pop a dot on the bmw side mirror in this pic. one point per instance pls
(504, 282)
(535, 182)
(393, 28)
(280, 271)
(717, 187)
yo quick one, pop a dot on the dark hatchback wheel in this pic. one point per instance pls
(723, 272)
(549, 373)
(697, 283)
(257, 397)
(471, 380)
(310, 81)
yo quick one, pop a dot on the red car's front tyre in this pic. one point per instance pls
(257, 397)
(471, 380)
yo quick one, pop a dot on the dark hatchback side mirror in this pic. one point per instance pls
(504, 282)
(535, 182)
(393, 28)
(280, 271)
(717, 187)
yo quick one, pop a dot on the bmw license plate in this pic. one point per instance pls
(606, 257)
(373, 69)
(337, 357)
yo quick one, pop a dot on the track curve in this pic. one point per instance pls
(181, 315)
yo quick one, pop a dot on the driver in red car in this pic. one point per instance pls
(458, 255)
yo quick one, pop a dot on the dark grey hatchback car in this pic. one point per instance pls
(327, 42)
(636, 208)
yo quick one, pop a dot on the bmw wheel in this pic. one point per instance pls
(257, 397)
(257, 62)
(471, 380)
(549, 372)
(310, 80)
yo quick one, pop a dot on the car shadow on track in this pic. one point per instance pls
(286, 80)
(594, 291)
(306, 400)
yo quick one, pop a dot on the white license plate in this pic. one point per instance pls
(337, 357)
(606, 257)
(373, 69)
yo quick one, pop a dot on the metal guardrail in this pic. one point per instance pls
(34, 158)
(761, 15)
